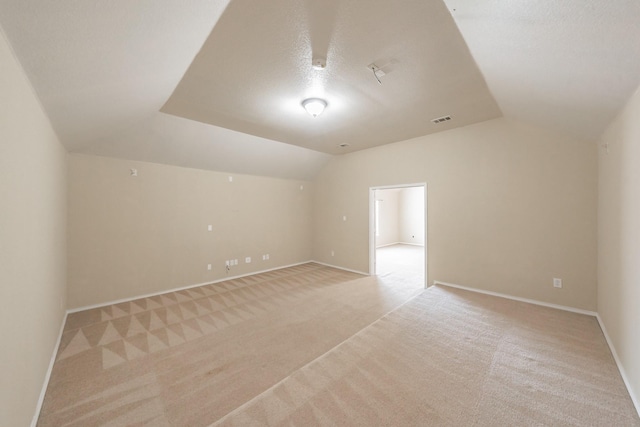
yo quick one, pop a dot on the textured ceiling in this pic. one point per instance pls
(229, 76)
(99, 67)
(568, 65)
(167, 139)
(255, 69)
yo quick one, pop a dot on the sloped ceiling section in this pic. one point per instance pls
(167, 139)
(99, 67)
(103, 70)
(567, 65)
(255, 69)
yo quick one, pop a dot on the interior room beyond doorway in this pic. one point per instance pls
(399, 222)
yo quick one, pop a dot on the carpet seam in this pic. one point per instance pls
(248, 402)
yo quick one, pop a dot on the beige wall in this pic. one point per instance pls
(130, 236)
(412, 218)
(510, 206)
(388, 227)
(619, 239)
(32, 242)
(401, 216)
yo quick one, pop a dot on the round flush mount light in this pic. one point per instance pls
(314, 106)
(319, 63)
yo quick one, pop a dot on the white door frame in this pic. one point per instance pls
(372, 225)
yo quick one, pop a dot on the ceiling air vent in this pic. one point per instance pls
(441, 119)
(343, 145)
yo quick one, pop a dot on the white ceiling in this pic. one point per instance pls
(229, 76)
(100, 67)
(163, 138)
(568, 65)
(255, 69)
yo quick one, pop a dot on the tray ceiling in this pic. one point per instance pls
(255, 69)
(218, 84)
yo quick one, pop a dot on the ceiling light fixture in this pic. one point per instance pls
(319, 63)
(314, 106)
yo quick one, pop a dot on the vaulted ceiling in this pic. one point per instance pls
(218, 84)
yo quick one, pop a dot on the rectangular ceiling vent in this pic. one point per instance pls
(441, 119)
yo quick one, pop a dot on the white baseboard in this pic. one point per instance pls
(387, 244)
(527, 300)
(341, 268)
(623, 374)
(182, 288)
(400, 243)
(34, 420)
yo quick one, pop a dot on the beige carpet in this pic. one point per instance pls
(455, 358)
(311, 345)
(188, 358)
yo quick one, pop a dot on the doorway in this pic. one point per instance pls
(398, 233)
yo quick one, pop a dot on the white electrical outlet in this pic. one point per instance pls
(267, 256)
(210, 228)
(247, 260)
(557, 283)
(227, 263)
(333, 253)
(209, 267)
(344, 217)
